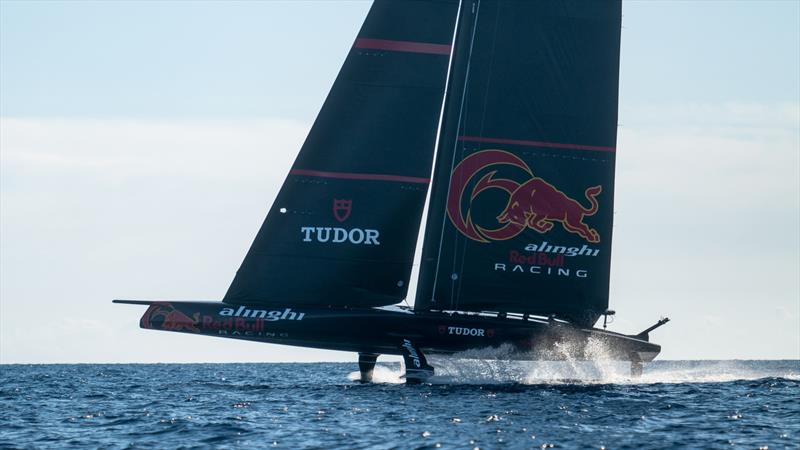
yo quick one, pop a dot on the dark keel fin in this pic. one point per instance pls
(366, 364)
(417, 368)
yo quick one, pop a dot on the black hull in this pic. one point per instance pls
(384, 331)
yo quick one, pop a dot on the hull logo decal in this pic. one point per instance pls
(270, 316)
(412, 353)
(163, 316)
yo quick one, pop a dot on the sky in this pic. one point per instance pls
(142, 143)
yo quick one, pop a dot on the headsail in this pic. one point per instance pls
(343, 228)
(521, 206)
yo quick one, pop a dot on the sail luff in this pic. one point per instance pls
(453, 105)
(473, 14)
(450, 303)
(447, 88)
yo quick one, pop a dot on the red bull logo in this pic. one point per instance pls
(533, 203)
(163, 316)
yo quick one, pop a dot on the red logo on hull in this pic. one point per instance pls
(163, 316)
(534, 203)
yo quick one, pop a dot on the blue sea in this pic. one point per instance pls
(469, 404)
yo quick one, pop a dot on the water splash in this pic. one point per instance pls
(454, 370)
(596, 366)
(712, 372)
(383, 374)
(503, 365)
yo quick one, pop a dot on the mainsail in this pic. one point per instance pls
(521, 205)
(344, 226)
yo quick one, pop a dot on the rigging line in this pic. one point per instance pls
(460, 153)
(417, 261)
(483, 123)
(476, 10)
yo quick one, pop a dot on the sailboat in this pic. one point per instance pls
(498, 118)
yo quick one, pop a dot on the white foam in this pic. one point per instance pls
(459, 370)
(493, 365)
(382, 374)
(482, 371)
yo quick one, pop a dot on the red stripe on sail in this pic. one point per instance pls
(402, 46)
(489, 140)
(359, 176)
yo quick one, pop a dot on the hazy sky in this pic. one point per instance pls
(142, 143)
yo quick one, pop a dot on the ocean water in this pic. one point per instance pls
(469, 404)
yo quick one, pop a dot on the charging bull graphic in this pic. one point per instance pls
(534, 203)
(163, 316)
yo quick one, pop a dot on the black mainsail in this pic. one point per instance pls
(521, 205)
(344, 226)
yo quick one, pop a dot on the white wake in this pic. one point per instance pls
(492, 366)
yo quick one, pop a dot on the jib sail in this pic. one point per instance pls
(343, 228)
(521, 205)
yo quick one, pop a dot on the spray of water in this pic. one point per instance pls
(502, 365)
(558, 365)
(606, 371)
(383, 374)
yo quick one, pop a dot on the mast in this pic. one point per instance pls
(343, 228)
(520, 211)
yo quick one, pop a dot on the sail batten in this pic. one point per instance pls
(403, 46)
(360, 176)
(519, 142)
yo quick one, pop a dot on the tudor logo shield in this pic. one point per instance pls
(338, 235)
(342, 209)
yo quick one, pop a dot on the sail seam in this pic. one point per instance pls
(491, 140)
(402, 46)
(359, 176)
(398, 86)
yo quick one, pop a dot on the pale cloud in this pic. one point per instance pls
(707, 220)
(733, 155)
(706, 224)
(92, 210)
(731, 116)
(138, 148)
